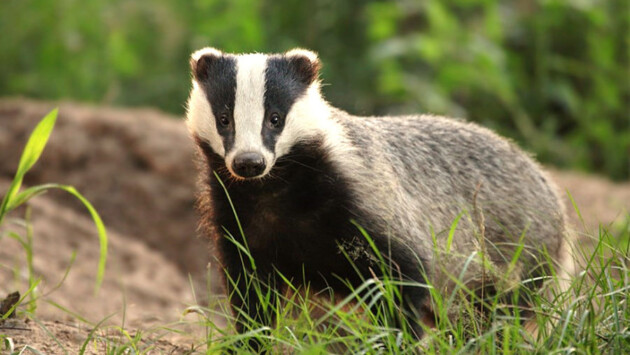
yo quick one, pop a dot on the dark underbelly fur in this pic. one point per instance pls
(297, 222)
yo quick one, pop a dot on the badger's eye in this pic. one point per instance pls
(274, 120)
(224, 120)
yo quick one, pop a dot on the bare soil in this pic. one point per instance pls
(136, 167)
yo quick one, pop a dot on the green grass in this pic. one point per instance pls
(594, 321)
(591, 316)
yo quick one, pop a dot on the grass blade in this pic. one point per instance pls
(32, 151)
(100, 226)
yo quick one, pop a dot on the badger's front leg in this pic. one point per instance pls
(252, 292)
(404, 307)
(406, 269)
(413, 300)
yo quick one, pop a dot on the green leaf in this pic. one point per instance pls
(27, 194)
(37, 142)
(100, 226)
(33, 150)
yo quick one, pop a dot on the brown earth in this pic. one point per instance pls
(71, 336)
(136, 167)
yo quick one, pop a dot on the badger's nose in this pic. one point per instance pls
(249, 164)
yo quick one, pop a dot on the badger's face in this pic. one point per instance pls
(251, 109)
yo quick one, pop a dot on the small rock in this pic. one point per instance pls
(6, 305)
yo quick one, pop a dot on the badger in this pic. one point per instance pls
(321, 197)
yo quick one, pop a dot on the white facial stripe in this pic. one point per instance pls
(306, 118)
(249, 108)
(200, 119)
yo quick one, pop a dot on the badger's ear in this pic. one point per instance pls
(202, 60)
(304, 64)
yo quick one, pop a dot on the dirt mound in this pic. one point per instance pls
(599, 201)
(148, 287)
(136, 167)
(70, 337)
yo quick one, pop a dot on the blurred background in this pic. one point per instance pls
(552, 75)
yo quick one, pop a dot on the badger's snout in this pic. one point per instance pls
(248, 164)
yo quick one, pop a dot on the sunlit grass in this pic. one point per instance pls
(590, 316)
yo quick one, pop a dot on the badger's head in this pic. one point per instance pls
(250, 109)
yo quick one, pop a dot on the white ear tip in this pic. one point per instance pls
(312, 56)
(207, 50)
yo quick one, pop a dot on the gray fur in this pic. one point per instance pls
(416, 174)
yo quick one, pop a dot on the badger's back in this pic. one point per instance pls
(416, 174)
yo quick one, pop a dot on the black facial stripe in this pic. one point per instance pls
(220, 87)
(282, 87)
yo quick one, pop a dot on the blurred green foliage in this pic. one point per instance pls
(553, 75)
